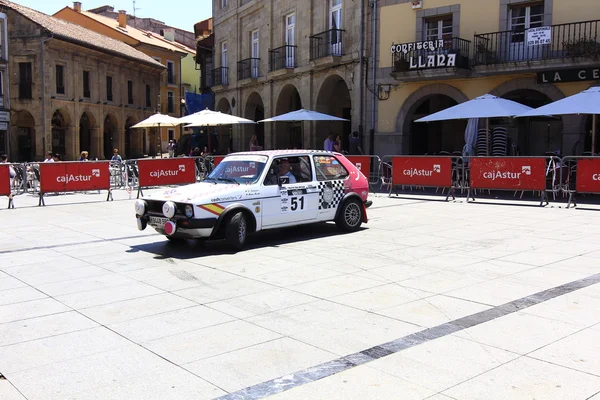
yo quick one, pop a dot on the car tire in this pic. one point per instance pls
(351, 216)
(236, 231)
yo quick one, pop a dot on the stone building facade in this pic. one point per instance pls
(74, 90)
(272, 57)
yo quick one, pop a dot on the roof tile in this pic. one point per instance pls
(74, 33)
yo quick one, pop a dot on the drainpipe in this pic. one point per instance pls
(361, 69)
(7, 104)
(374, 65)
(42, 93)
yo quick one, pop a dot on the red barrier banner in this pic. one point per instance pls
(217, 160)
(4, 180)
(588, 175)
(166, 171)
(422, 171)
(74, 176)
(518, 173)
(363, 163)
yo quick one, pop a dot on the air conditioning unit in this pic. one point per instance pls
(417, 4)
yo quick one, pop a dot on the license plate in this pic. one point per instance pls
(158, 221)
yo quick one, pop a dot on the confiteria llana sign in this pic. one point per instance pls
(425, 60)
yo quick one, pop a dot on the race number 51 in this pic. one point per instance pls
(297, 203)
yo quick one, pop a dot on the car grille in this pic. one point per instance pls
(155, 207)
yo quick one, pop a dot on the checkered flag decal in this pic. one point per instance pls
(330, 194)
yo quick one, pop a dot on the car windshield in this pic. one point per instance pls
(241, 169)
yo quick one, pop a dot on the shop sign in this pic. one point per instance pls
(3, 126)
(426, 60)
(569, 75)
(4, 116)
(539, 36)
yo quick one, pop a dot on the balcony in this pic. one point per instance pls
(282, 59)
(220, 76)
(438, 59)
(326, 46)
(538, 48)
(248, 69)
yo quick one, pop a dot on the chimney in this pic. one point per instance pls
(122, 18)
(77, 6)
(169, 34)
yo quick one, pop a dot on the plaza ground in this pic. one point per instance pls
(431, 300)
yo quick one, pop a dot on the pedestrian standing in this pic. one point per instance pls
(171, 149)
(328, 144)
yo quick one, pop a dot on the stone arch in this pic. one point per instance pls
(288, 134)
(221, 137)
(551, 91)
(24, 136)
(87, 125)
(110, 134)
(62, 138)
(334, 99)
(133, 139)
(415, 100)
(254, 110)
(535, 136)
(224, 106)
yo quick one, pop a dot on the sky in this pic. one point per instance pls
(182, 14)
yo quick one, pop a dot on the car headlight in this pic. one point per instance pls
(169, 209)
(189, 211)
(140, 207)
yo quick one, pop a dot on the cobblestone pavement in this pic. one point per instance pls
(431, 300)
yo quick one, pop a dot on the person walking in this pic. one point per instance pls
(84, 156)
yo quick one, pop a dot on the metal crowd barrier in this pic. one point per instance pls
(369, 165)
(439, 172)
(548, 176)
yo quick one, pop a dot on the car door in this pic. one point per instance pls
(331, 176)
(290, 203)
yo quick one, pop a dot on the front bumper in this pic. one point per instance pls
(185, 227)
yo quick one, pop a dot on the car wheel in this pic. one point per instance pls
(236, 231)
(350, 216)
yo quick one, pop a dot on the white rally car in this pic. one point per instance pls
(252, 191)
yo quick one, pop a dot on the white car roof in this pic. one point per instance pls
(274, 153)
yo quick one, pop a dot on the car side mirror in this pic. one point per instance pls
(284, 180)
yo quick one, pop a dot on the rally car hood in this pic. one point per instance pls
(204, 192)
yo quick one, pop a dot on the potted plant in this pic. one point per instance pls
(582, 47)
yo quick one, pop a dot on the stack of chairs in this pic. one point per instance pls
(481, 146)
(499, 142)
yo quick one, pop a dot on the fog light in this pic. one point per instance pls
(189, 211)
(169, 209)
(140, 207)
(141, 224)
(170, 228)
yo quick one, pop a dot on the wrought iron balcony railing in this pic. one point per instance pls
(248, 68)
(563, 41)
(328, 43)
(220, 76)
(455, 52)
(282, 57)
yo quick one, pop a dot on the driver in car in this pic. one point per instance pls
(285, 169)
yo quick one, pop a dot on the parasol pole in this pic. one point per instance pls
(487, 137)
(593, 135)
